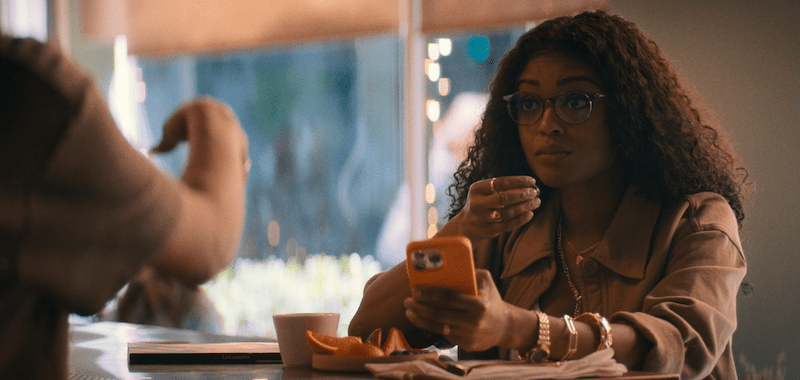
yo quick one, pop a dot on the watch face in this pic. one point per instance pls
(539, 355)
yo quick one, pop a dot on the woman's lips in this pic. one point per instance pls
(551, 154)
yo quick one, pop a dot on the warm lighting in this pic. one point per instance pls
(430, 193)
(445, 46)
(433, 215)
(428, 63)
(122, 89)
(444, 86)
(432, 110)
(292, 249)
(434, 70)
(273, 233)
(433, 51)
(432, 230)
(141, 91)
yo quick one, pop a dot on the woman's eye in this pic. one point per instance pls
(529, 104)
(576, 101)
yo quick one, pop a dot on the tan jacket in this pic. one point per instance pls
(670, 270)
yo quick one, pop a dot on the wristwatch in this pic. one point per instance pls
(541, 352)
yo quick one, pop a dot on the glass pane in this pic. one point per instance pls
(326, 145)
(466, 63)
(327, 207)
(24, 18)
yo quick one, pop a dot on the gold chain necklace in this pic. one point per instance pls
(576, 294)
(580, 253)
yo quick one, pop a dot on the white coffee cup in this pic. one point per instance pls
(291, 330)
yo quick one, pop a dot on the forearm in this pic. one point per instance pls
(212, 192)
(205, 240)
(629, 346)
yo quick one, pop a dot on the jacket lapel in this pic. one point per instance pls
(625, 248)
(529, 256)
(530, 259)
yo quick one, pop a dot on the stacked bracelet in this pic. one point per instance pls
(573, 338)
(602, 323)
(541, 352)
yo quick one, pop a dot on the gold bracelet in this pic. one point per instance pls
(602, 323)
(541, 352)
(573, 338)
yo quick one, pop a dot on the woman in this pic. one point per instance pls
(634, 240)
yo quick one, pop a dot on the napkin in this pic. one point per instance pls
(597, 364)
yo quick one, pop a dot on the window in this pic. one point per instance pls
(327, 206)
(24, 18)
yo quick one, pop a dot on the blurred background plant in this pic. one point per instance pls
(753, 373)
(249, 292)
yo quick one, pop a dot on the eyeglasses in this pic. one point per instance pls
(572, 107)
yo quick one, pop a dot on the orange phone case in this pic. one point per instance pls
(444, 262)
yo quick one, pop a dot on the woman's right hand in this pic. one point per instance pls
(495, 206)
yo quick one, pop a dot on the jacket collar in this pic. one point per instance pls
(536, 240)
(624, 249)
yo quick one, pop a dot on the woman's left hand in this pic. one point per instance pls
(473, 323)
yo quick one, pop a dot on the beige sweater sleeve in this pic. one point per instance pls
(88, 210)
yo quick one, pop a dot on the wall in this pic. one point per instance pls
(742, 58)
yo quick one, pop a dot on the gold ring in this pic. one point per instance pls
(446, 330)
(491, 184)
(495, 216)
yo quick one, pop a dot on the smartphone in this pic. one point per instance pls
(444, 262)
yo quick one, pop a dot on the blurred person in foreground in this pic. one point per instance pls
(83, 212)
(631, 241)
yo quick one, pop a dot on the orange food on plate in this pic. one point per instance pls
(395, 342)
(352, 346)
(360, 350)
(375, 338)
(326, 344)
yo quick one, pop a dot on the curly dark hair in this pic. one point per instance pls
(665, 149)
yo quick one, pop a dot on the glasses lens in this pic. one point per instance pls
(574, 107)
(525, 109)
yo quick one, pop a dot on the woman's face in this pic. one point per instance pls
(567, 155)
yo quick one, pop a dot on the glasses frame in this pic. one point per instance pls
(553, 101)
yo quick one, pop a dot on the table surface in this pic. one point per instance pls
(99, 351)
